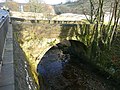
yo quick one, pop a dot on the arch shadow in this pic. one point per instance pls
(61, 52)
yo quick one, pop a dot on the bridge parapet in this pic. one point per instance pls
(44, 21)
(3, 31)
(6, 55)
(11, 77)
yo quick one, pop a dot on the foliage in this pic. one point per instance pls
(99, 36)
(12, 5)
(81, 6)
(103, 35)
(100, 41)
(37, 6)
(52, 43)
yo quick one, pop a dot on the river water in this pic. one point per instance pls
(59, 71)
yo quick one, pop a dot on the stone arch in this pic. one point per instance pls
(75, 48)
(46, 62)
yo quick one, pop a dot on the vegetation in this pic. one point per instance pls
(101, 40)
(12, 5)
(81, 6)
(35, 6)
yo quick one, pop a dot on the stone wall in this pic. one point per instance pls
(23, 73)
(23, 76)
(3, 32)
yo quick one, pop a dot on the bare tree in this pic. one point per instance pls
(12, 5)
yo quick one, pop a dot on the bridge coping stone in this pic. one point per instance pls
(7, 71)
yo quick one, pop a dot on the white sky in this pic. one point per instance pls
(46, 1)
(54, 1)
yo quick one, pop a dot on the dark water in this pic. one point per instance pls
(58, 71)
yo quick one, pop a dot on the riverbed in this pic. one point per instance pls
(59, 71)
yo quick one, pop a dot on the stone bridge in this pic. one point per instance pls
(37, 38)
(40, 37)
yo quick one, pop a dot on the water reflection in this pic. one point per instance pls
(59, 71)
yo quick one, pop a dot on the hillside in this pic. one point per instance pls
(80, 6)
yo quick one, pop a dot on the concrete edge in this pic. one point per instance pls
(7, 81)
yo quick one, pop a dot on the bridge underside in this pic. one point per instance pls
(73, 47)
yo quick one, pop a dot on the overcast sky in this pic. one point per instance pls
(46, 1)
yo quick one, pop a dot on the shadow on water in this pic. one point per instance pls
(62, 69)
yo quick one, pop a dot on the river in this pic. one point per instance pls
(59, 71)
